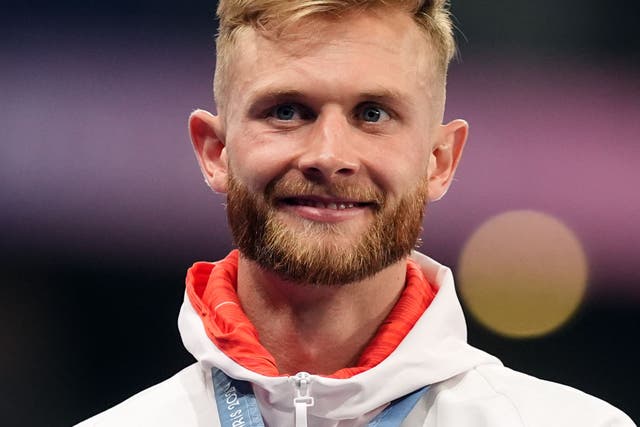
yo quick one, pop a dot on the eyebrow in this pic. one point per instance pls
(387, 96)
(264, 98)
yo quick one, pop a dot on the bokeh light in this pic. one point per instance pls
(523, 274)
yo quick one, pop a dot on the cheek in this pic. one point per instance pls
(256, 158)
(399, 168)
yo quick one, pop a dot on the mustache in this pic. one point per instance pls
(292, 188)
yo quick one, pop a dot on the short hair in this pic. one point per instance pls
(432, 16)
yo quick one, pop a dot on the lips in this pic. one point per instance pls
(320, 203)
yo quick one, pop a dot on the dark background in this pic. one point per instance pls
(103, 208)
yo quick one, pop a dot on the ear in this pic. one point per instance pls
(445, 155)
(207, 138)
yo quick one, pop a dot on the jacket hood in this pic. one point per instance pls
(434, 350)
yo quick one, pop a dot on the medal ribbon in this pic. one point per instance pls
(238, 407)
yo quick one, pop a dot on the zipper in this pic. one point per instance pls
(302, 399)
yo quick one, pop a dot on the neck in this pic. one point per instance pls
(317, 329)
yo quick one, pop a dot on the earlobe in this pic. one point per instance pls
(208, 144)
(445, 156)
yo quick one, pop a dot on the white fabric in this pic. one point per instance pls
(469, 387)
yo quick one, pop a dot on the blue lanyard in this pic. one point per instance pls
(237, 406)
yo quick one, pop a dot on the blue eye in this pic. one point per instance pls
(285, 112)
(373, 114)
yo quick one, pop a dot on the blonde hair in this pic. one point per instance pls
(432, 16)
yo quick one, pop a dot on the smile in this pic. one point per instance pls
(323, 204)
(332, 204)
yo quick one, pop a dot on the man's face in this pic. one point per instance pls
(328, 140)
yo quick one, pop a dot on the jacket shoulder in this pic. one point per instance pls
(184, 399)
(500, 396)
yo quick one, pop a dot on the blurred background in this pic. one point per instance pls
(103, 208)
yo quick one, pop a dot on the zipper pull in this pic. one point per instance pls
(302, 401)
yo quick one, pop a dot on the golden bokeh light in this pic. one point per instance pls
(523, 274)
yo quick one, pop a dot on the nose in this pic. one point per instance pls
(328, 152)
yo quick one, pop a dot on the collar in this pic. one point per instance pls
(212, 291)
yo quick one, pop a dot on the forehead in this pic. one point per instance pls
(377, 50)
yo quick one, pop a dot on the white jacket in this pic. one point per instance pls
(468, 387)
